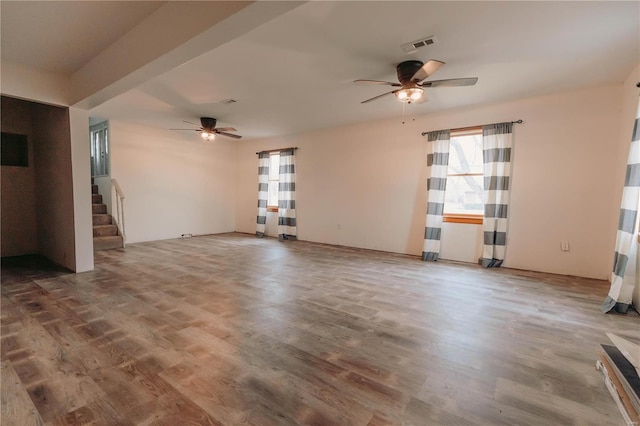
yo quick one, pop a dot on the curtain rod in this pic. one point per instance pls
(474, 127)
(277, 149)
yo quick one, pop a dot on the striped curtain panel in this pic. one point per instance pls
(497, 140)
(620, 294)
(437, 162)
(287, 229)
(263, 188)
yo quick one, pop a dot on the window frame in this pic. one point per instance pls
(465, 218)
(271, 208)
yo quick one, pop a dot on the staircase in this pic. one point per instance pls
(105, 232)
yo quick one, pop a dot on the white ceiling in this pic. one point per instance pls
(61, 37)
(296, 72)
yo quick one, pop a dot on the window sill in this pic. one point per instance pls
(472, 219)
(272, 209)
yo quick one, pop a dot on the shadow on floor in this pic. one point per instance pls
(30, 267)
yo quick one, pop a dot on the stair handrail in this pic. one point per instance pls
(119, 216)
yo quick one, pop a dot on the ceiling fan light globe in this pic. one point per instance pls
(416, 93)
(211, 136)
(204, 135)
(402, 94)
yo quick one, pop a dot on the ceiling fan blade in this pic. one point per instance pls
(427, 70)
(226, 129)
(188, 122)
(378, 97)
(191, 130)
(452, 82)
(386, 83)
(230, 135)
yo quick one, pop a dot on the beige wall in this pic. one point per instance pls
(364, 185)
(461, 242)
(81, 173)
(18, 203)
(174, 183)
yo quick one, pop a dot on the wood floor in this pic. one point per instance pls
(236, 330)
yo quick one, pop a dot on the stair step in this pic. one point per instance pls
(107, 243)
(101, 219)
(105, 230)
(96, 199)
(94, 189)
(99, 208)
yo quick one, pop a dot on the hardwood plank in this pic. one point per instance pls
(555, 409)
(17, 407)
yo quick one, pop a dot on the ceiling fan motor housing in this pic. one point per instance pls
(407, 69)
(208, 123)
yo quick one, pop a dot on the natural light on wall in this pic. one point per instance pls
(464, 192)
(274, 179)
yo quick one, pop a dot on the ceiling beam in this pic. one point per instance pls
(174, 34)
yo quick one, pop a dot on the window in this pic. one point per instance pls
(99, 134)
(274, 180)
(465, 183)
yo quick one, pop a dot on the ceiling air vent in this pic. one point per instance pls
(418, 44)
(228, 101)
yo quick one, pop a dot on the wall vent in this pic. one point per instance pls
(418, 44)
(228, 101)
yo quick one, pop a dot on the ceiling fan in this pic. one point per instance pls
(208, 129)
(411, 75)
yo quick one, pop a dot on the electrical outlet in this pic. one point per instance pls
(564, 245)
